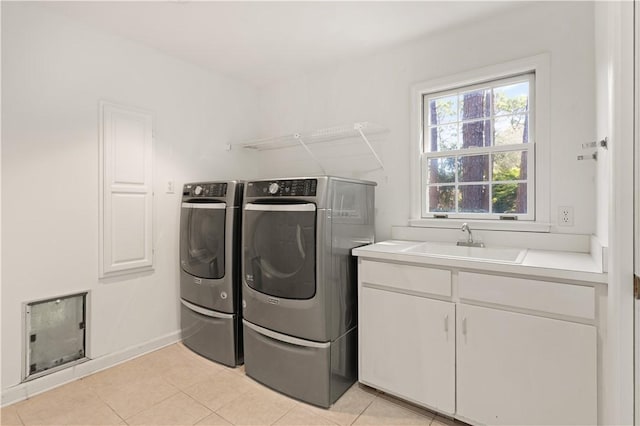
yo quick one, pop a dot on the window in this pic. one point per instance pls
(477, 156)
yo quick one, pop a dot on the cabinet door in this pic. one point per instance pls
(407, 347)
(521, 369)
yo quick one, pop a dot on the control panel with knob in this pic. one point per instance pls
(273, 188)
(283, 188)
(215, 189)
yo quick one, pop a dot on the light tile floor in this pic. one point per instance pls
(174, 386)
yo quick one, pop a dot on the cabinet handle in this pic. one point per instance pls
(464, 326)
(446, 323)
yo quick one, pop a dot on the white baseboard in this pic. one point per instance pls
(31, 388)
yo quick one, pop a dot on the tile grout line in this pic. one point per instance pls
(199, 403)
(202, 418)
(328, 419)
(103, 401)
(20, 417)
(287, 412)
(365, 409)
(156, 403)
(231, 402)
(409, 406)
(223, 417)
(167, 398)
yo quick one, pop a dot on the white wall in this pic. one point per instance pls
(603, 61)
(377, 89)
(54, 72)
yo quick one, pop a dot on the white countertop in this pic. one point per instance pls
(550, 264)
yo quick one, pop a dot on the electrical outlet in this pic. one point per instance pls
(170, 187)
(565, 216)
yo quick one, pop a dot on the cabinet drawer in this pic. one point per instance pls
(406, 277)
(556, 298)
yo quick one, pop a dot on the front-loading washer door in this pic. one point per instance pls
(280, 249)
(202, 236)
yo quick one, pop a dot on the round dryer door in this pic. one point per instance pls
(280, 249)
(202, 233)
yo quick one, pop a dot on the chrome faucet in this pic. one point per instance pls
(465, 227)
(469, 242)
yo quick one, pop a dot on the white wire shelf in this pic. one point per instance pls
(316, 136)
(359, 130)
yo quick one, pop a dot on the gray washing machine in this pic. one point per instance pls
(299, 282)
(210, 225)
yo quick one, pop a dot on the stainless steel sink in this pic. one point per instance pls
(451, 250)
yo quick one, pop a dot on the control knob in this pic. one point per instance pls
(197, 190)
(273, 188)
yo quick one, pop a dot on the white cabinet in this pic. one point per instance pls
(407, 347)
(514, 368)
(490, 350)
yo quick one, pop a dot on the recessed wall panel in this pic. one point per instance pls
(128, 231)
(128, 149)
(126, 190)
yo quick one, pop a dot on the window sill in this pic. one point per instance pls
(503, 225)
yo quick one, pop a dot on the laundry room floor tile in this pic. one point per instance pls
(134, 396)
(385, 412)
(261, 406)
(71, 404)
(179, 365)
(350, 405)
(213, 420)
(300, 415)
(121, 374)
(180, 409)
(9, 416)
(238, 370)
(220, 389)
(175, 386)
(189, 371)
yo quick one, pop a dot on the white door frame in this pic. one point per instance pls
(620, 327)
(636, 211)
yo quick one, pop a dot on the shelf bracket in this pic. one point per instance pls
(358, 127)
(593, 156)
(297, 137)
(604, 143)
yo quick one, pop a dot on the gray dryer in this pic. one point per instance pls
(299, 282)
(210, 228)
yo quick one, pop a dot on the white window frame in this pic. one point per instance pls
(539, 128)
(467, 152)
